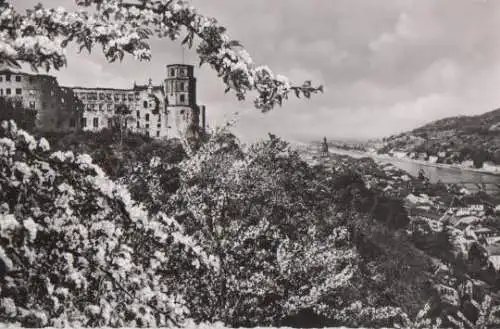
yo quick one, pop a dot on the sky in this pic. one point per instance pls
(387, 66)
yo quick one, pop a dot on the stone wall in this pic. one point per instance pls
(41, 93)
(160, 111)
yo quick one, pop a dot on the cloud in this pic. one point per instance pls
(386, 65)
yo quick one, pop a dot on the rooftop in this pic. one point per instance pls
(4, 70)
(182, 65)
(101, 89)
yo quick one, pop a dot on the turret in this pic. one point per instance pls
(180, 85)
(180, 91)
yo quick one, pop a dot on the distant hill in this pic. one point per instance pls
(452, 140)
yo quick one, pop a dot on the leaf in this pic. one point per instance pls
(234, 43)
(64, 43)
(88, 45)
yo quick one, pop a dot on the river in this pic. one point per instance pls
(447, 175)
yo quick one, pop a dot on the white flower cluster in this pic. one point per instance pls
(40, 37)
(95, 230)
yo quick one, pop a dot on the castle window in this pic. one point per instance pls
(108, 96)
(1, 78)
(172, 72)
(84, 122)
(101, 107)
(96, 122)
(138, 115)
(110, 122)
(181, 86)
(147, 126)
(7, 77)
(18, 78)
(157, 134)
(138, 124)
(19, 91)
(32, 104)
(101, 96)
(147, 133)
(182, 72)
(116, 97)
(147, 117)
(145, 104)
(158, 125)
(183, 98)
(7, 91)
(72, 123)
(110, 107)
(30, 79)
(130, 97)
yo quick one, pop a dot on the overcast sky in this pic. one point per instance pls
(387, 65)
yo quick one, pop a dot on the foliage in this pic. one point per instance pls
(14, 110)
(77, 249)
(488, 316)
(465, 138)
(254, 236)
(119, 158)
(40, 36)
(284, 246)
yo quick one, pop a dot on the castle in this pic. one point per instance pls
(167, 110)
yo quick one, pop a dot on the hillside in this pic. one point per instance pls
(472, 140)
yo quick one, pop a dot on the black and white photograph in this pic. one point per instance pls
(267, 164)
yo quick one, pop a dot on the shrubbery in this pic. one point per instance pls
(77, 249)
(245, 235)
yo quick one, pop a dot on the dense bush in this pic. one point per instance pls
(77, 250)
(289, 242)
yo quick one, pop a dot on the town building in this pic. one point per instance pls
(165, 110)
(57, 107)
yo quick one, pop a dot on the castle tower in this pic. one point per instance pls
(180, 92)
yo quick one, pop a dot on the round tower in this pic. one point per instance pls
(180, 91)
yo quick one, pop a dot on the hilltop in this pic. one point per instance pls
(466, 140)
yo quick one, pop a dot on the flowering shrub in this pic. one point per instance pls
(40, 36)
(488, 316)
(77, 249)
(282, 246)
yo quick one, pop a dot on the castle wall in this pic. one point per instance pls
(161, 111)
(41, 93)
(147, 114)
